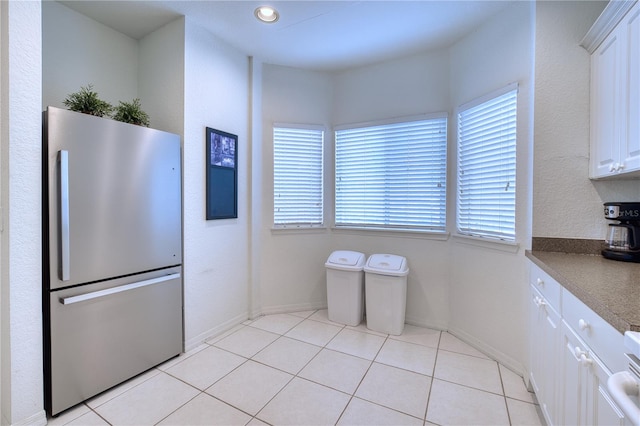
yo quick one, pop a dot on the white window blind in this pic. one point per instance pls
(297, 176)
(487, 167)
(392, 175)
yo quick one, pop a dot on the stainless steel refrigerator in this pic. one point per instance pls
(112, 253)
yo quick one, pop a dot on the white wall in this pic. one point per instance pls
(406, 87)
(291, 262)
(161, 76)
(21, 378)
(216, 252)
(568, 204)
(488, 281)
(78, 51)
(255, 192)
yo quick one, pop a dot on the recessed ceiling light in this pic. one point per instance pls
(266, 14)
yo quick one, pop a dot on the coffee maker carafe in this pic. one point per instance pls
(623, 238)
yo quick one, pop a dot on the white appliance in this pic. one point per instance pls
(624, 386)
(112, 253)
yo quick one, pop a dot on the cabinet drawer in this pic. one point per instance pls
(604, 340)
(547, 286)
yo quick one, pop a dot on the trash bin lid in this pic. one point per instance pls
(346, 260)
(387, 264)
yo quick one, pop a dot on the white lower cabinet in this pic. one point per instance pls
(585, 399)
(572, 352)
(545, 339)
(573, 380)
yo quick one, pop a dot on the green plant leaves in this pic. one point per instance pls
(86, 101)
(131, 112)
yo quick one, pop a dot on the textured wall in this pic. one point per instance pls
(20, 279)
(486, 281)
(566, 203)
(216, 252)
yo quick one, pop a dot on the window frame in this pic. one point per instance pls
(483, 234)
(437, 231)
(300, 225)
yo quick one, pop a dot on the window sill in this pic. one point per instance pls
(500, 245)
(298, 229)
(405, 233)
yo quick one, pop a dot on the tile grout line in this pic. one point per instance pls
(353, 395)
(504, 393)
(433, 377)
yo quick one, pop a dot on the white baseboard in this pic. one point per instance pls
(219, 329)
(426, 324)
(37, 419)
(239, 319)
(507, 361)
(286, 309)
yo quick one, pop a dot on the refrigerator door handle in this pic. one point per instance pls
(119, 289)
(63, 203)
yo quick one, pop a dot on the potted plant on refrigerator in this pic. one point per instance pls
(86, 101)
(131, 112)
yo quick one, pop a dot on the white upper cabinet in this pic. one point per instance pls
(631, 144)
(615, 93)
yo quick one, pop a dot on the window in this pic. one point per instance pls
(392, 175)
(297, 176)
(487, 166)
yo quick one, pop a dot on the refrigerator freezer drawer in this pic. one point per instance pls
(103, 334)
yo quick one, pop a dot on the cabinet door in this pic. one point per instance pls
(630, 143)
(573, 375)
(605, 107)
(544, 335)
(584, 394)
(601, 408)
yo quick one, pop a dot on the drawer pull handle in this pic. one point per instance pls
(101, 293)
(583, 359)
(540, 282)
(583, 324)
(539, 302)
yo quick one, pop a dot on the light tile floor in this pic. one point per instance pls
(302, 369)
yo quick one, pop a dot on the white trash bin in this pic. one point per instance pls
(345, 287)
(386, 292)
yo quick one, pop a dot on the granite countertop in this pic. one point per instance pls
(610, 288)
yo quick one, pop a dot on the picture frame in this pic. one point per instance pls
(221, 158)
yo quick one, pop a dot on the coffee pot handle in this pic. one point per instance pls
(633, 238)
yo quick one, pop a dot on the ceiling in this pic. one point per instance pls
(318, 35)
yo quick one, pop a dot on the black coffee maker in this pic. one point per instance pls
(623, 238)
